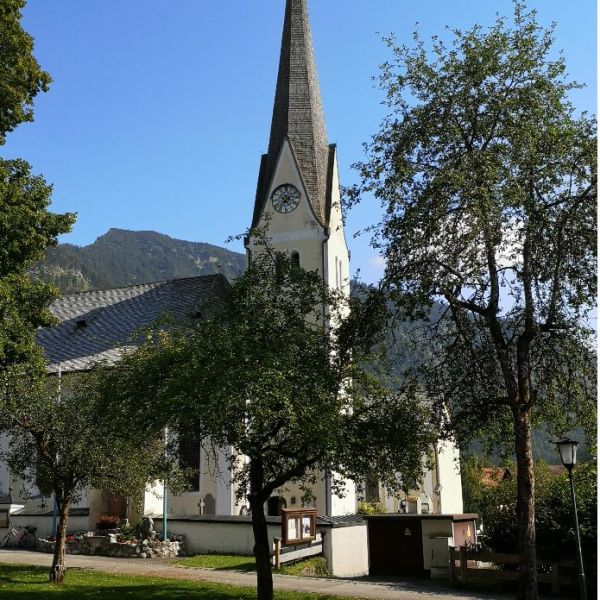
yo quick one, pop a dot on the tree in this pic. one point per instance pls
(64, 440)
(554, 513)
(488, 180)
(21, 77)
(27, 228)
(275, 374)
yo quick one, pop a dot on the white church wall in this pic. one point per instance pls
(153, 499)
(346, 504)
(337, 258)
(451, 498)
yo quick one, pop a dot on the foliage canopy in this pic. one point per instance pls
(488, 180)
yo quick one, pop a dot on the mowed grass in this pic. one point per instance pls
(310, 567)
(20, 582)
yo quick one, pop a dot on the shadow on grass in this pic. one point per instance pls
(28, 582)
(248, 567)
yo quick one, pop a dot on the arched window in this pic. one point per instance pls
(274, 506)
(189, 459)
(295, 258)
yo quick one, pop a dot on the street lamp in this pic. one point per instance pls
(567, 450)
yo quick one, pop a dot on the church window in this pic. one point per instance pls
(274, 506)
(372, 489)
(189, 461)
(295, 258)
(337, 274)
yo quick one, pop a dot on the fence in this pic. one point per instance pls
(465, 570)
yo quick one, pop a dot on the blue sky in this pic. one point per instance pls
(160, 109)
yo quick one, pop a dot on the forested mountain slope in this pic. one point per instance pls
(121, 257)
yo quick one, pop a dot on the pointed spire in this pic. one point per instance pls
(298, 112)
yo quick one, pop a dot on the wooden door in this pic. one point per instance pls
(395, 546)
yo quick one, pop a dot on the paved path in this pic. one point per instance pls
(380, 590)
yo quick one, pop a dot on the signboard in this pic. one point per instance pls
(298, 525)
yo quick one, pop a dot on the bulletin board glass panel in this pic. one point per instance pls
(298, 526)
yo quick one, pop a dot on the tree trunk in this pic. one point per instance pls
(528, 589)
(262, 550)
(58, 569)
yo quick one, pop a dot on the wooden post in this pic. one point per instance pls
(555, 578)
(463, 563)
(452, 563)
(277, 553)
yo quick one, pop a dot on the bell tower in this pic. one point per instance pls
(298, 192)
(298, 196)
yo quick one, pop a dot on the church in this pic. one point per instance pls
(297, 202)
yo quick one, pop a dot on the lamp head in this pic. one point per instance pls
(567, 449)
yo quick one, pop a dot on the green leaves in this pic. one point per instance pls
(27, 228)
(64, 438)
(488, 181)
(21, 77)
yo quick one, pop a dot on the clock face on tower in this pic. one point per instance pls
(285, 198)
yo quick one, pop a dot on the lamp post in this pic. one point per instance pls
(567, 450)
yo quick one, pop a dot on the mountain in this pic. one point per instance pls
(121, 257)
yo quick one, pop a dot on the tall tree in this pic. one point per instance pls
(27, 228)
(488, 180)
(64, 440)
(271, 376)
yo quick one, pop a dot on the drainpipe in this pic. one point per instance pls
(54, 505)
(165, 502)
(328, 499)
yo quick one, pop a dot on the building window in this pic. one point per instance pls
(3, 519)
(295, 258)
(372, 489)
(274, 506)
(189, 461)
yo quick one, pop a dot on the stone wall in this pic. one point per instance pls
(108, 546)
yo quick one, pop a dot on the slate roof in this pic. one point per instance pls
(98, 325)
(298, 115)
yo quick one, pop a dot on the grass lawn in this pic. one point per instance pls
(311, 567)
(19, 582)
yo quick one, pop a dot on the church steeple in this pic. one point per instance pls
(298, 115)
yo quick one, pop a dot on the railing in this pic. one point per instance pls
(466, 571)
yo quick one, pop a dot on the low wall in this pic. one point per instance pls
(210, 534)
(44, 523)
(346, 550)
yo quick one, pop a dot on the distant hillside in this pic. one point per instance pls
(121, 257)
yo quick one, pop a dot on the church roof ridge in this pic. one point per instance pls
(298, 114)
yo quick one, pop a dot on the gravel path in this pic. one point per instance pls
(380, 590)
